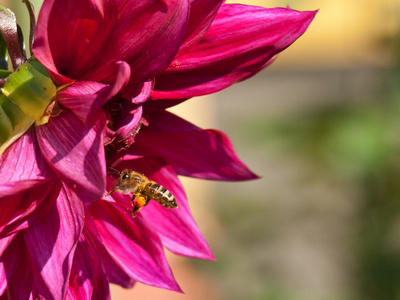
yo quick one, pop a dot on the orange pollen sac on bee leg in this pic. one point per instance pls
(138, 204)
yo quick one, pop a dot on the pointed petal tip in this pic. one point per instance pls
(207, 256)
(174, 286)
(254, 176)
(201, 252)
(310, 15)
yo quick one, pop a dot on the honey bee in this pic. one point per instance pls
(143, 190)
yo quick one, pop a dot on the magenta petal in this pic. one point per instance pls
(127, 125)
(5, 242)
(138, 93)
(225, 56)
(23, 161)
(115, 274)
(96, 34)
(202, 13)
(88, 280)
(85, 98)
(4, 259)
(80, 96)
(15, 271)
(70, 36)
(3, 279)
(10, 189)
(176, 227)
(142, 255)
(156, 104)
(76, 153)
(147, 36)
(28, 186)
(52, 243)
(23, 208)
(191, 151)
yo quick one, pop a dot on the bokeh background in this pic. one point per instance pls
(320, 126)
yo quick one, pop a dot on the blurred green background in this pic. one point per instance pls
(321, 127)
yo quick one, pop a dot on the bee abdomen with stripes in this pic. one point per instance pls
(160, 194)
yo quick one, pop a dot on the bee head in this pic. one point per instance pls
(124, 181)
(130, 180)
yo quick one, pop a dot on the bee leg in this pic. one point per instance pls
(138, 204)
(112, 191)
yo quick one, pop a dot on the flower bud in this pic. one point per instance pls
(25, 97)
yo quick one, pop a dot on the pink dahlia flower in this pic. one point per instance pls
(118, 64)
